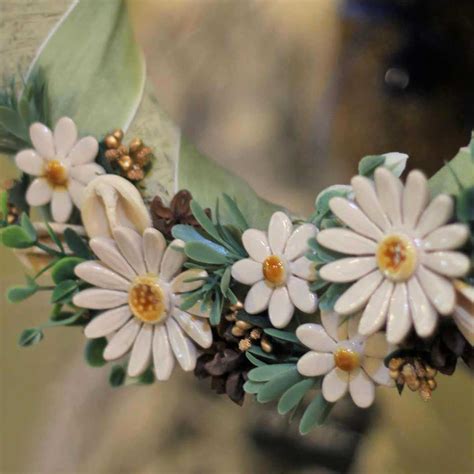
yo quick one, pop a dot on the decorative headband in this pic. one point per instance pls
(375, 288)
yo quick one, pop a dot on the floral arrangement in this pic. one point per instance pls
(374, 289)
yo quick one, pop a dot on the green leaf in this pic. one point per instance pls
(204, 221)
(188, 233)
(15, 294)
(190, 299)
(216, 310)
(4, 204)
(225, 281)
(293, 396)
(30, 337)
(369, 164)
(253, 387)
(16, 237)
(278, 385)
(76, 244)
(11, 121)
(267, 372)
(117, 376)
(147, 378)
(331, 295)
(63, 290)
(257, 351)
(315, 414)
(212, 254)
(28, 227)
(93, 352)
(54, 237)
(235, 213)
(282, 335)
(465, 206)
(64, 269)
(254, 360)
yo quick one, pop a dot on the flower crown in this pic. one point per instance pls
(374, 288)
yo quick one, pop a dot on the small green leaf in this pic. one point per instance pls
(187, 233)
(315, 414)
(16, 237)
(225, 281)
(255, 319)
(54, 237)
(293, 396)
(30, 337)
(282, 335)
(93, 352)
(465, 205)
(254, 360)
(190, 299)
(76, 244)
(15, 294)
(369, 164)
(64, 269)
(216, 310)
(11, 121)
(278, 385)
(212, 254)
(253, 387)
(257, 351)
(4, 204)
(63, 290)
(318, 285)
(28, 227)
(147, 378)
(331, 295)
(204, 221)
(267, 372)
(117, 376)
(235, 213)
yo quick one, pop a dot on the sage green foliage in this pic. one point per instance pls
(117, 376)
(93, 352)
(369, 164)
(315, 414)
(30, 337)
(294, 395)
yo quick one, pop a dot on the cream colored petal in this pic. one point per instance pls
(65, 136)
(98, 298)
(304, 268)
(256, 244)
(353, 217)
(247, 271)
(39, 192)
(198, 329)
(375, 313)
(347, 269)
(297, 244)
(362, 389)
(301, 295)
(279, 230)
(130, 244)
(173, 260)
(416, 196)
(84, 151)
(107, 251)
(315, 337)
(368, 201)
(42, 140)
(438, 212)
(346, 241)
(447, 237)
(335, 325)
(107, 322)
(97, 274)
(376, 370)
(122, 341)
(163, 359)
(377, 346)
(464, 320)
(183, 348)
(313, 364)
(86, 173)
(335, 385)
(448, 263)
(439, 290)
(76, 190)
(154, 245)
(423, 314)
(355, 297)
(61, 206)
(258, 298)
(353, 325)
(389, 191)
(180, 285)
(30, 162)
(280, 309)
(399, 320)
(141, 352)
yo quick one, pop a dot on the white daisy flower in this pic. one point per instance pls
(463, 314)
(402, 259)
(348, 360)
(277, 270)
(138, 283)
(62, 164)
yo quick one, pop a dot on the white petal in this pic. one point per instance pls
(279, 230)
(65, 136)
(30, 162)
(315, 337)
(368, 201)
(346, 241)
(42, 140)
(247, 271)
(86, 173)
(377, 346)
(163, 359)
(76, 190)
(399, 319)
(376, 370)
(173, 260)
(353, 217)
(422, 312)
(464, 319)
(98, 298)
(347, 269)
(256, 243)
(304, 268)
(280, 309)
(438, 289)
(375, 313)
(362, 389)
(335, 325)
(197, 329)
(355, 297)
(335, 385)
(258, 297)
(84, 151)
(447, 237)
(297, 244)
(389, 191)
(180, 285)
(107, 322)
(141, 352)
(39, 192)
(130, 244)
(415, 198)
(353, 326)
(122, 341)
(301, 295)
(107, 251)
(154, 245)
(438, 212)
(313, 364)
(98, 274)
(448, 263)
(183, 348)
(61, 206)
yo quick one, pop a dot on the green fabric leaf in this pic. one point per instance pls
(278, 385)
(282, 335)
(253, 387)
(204, 221)
(267, 372)
(54, 237)
(63, 290)
(315, 414)
(15, 294)
(16, 237)
(93, 352)
(64, 269)
(225, 280)
(254, 360)
(293, 396)
(213, 254)
(188, 233)
(30, 337)
(117, 376)
(76, 244)
(216, 310)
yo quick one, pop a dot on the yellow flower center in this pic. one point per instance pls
(274, 270)
(396, 257)
(147, 300)
(55, 173)
(346, 359)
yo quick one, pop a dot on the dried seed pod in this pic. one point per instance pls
(244, 325)
(125, 162)
(419, 369)
(396, 363)
(118, 134)
(432, 384)
(237, 332)
(255, 334)
(266, 345)
(425, 391)
(112, 154)
(431, 372)
(111, 141)
(135, 174)
(245, 344)
(394, 374)
(135, 145)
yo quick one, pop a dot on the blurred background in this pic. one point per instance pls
(289, 95)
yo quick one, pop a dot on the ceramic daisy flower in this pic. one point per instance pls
(348, 361)
(62, 166)
(138, 282)
(277, 270)
(401, 254)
